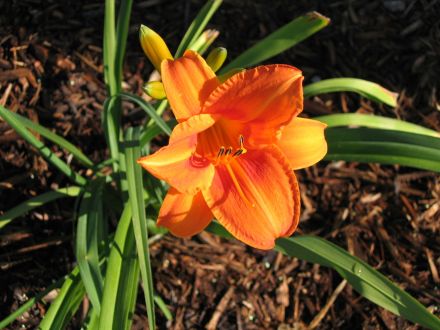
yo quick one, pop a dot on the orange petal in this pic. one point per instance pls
(184, 215)
(256, 197)
(303, 142)
(264, 99)
(177, 164)
(188, 81)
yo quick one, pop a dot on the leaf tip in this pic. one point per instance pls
(314, 15)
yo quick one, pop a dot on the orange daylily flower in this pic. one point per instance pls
(233, 152)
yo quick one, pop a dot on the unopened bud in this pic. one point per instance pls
(154, 46)
(216, 58)
(154, 89)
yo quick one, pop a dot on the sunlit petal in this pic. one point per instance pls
(256, 197)
(263, 99)
(188, 82)
(177, 164)
(184, 215)
(303, 142)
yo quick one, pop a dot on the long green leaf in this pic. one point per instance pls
(198, 25)
(121, 278)
(365, 279)
(55, 138)
(111, 131)
(66, 303)
(135, 194)
(41, 148)
(149, 110)
(282, 39)
(365, 88)
(372, 121)
(383, 146)
(109, 47)
(28, 304)
(91, 233)
(121, 36)
(37, 201)
(152, 131)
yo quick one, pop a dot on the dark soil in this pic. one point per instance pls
(51, 72)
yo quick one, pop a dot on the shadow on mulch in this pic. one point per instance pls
(51, 71)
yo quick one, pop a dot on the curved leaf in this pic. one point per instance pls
(41, 147)
(121, 278)
(55, 138)
(365, 279)
(197, 26)
(372, 121)
(38, 201)
(383, 146)
(66, 303)
(365, 88)
(90, 234)
(135, 198)
(282, 39)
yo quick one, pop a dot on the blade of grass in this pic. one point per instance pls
(372, 121)
(152, 131)
(55, 138)
(91, 233)
(109, 46)
(135, 194)
(91, 321)
(115, 40)
(198, 25)
(163, 307)
(149, 110)
(282, 39)
(40, 147)
(121, 278)
(66, 303)
(28, 304)
(121, 37)
(383, 146)
(37, 201)
(365, 279)
(111, 131)
(365, 88)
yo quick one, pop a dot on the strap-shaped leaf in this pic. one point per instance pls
(55, 138)
(121, 278)
(135, 198)
(365, 279)
(41, 147)
(91, 233)
(66, 303)
(372, 121)
(149, 110)
(277, 42)
(37, 201)
(383, 146)
(365, 88)
(198, 25)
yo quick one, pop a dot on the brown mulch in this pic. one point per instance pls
(51, 72)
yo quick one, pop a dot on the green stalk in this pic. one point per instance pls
(115, 41)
